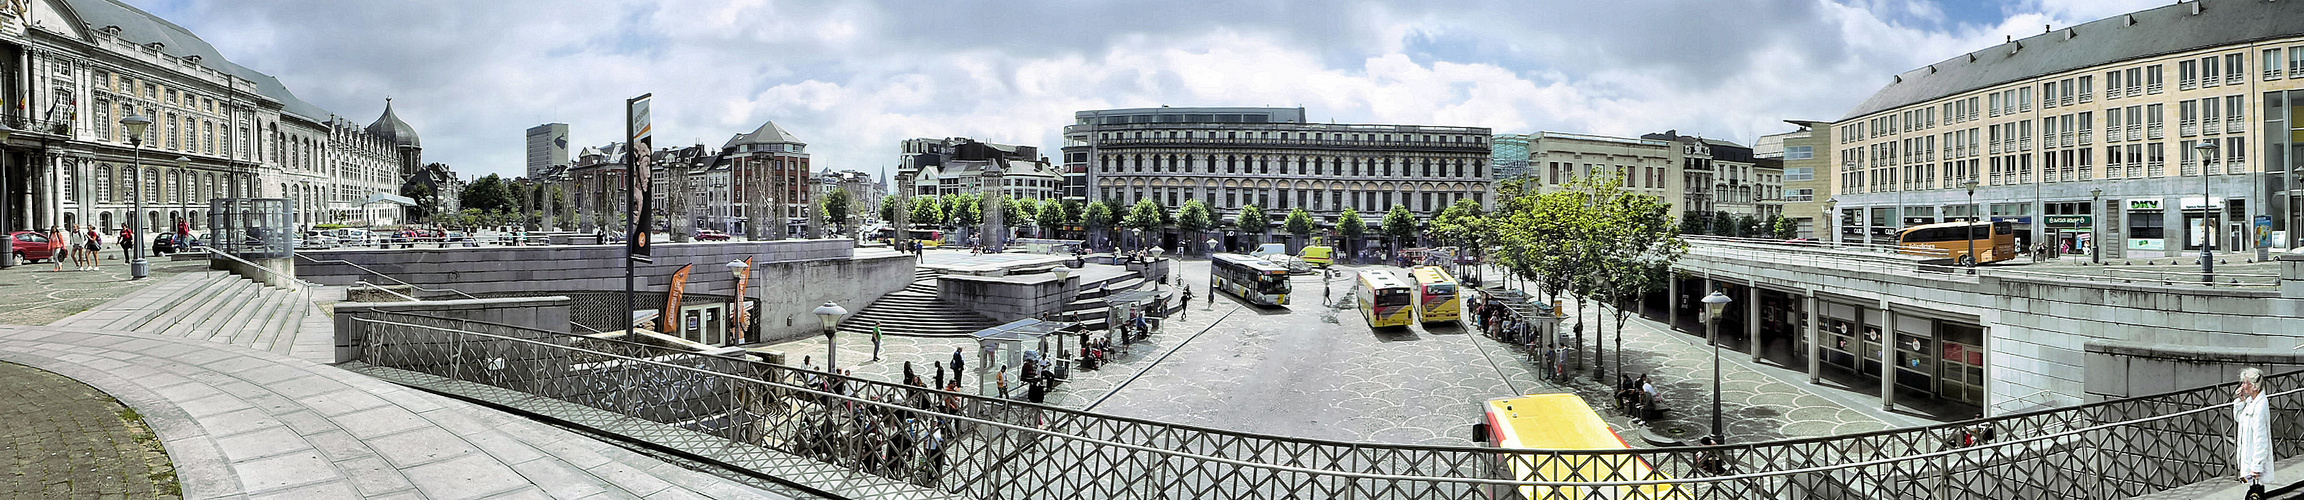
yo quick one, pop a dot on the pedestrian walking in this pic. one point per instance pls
(1003, 381)
(939, 365)
(127, 242)
(95, 249)
(2252, 416)
(876, 342)
(57, 249)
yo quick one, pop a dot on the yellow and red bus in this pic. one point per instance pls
(1561, 422)
(1436, 295)
(1992, 241)
(1384, 300)
(1250, 278)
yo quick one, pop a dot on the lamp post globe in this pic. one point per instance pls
(1212, 245)
(830, 314)
(136, 125)
(1714, 305)
(2208, 210)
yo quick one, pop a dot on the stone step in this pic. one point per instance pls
(220, 331)
(132, 312)
(222, 301)
(287, 327)
(264, 322)
(180, 307)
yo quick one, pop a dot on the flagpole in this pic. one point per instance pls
(630, 209)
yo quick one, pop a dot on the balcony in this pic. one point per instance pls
(2153, 133)
(2184, 84)
(2156, 167)
(2296, 72)
(2211, 126)
(2191, 168)
(2024, 144)
(2066, 100)
(2153, 88)
(2136, 90)
(2085, 137)
(2236, 126)
(2064, 140)
(2210, 81)
(2087, 97)
(2271, 74)
(2234, 78)
(2135, 132)
(2186, 128)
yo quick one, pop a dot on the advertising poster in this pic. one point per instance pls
(642, 140)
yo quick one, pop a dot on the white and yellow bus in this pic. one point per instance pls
(1384, 300)
(1436, 295)
(1249, 278)
(1561, 422)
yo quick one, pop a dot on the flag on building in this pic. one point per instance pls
(668, 321)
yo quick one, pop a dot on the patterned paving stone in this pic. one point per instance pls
(65, 439)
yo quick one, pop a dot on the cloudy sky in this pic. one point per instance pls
(854, 77)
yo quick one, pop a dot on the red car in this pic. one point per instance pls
(31, 246)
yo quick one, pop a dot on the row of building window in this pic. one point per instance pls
(1303, 165)
(2065, 165)
(1426, 202)
(1369, 138)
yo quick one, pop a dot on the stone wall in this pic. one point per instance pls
(790, 277)
(2120, 369)
(1007, 298)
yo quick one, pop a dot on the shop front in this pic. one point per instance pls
(2072, 234)
(2147, 228)
(1939, 357)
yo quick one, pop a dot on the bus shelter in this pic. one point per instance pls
(1012, 349)
(1124, 306)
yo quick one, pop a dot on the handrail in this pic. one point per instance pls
(300, 283)
(373, 286)
(386, 276)
(865, 401)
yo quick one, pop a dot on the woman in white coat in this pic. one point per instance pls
(2253, 416)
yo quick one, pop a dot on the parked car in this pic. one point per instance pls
(30, 246)
(710, 235)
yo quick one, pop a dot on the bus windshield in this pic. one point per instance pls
(1441, 289)
(1391, 298)
(1272, 283)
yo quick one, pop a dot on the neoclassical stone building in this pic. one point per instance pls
(77, 67)
(1269, 157)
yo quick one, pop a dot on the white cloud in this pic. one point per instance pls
(853, 78)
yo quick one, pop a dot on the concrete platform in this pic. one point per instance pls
(243, 423)
(962, 262)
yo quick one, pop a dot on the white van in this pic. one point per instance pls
(1270, 249)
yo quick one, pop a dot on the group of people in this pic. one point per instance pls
(84, 245)
(903, 438)
(1638, 397)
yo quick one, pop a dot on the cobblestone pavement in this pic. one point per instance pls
(64, 439)
(1314, 372)
(37, 294)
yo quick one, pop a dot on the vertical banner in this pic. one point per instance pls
(637, 151)
(743, 313)
(668, 321)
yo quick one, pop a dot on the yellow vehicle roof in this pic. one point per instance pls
(1552, 422)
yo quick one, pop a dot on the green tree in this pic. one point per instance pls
(1400, 226)
(1695, 222)
(1348, 223)
(1194, 219)
(964, 209)
(488, 194)
(1051, 217)
(427, 201)
(1020, 212)
(1099, 218)
(1252, 220)
(1299, 223)
(1637, 244)
(927, 210)
(1781, 228)
(1462, 223)
(1723, 224)
(1147, 218)
(888, 209)
(835, 207)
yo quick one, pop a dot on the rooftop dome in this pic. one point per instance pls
(391, 128)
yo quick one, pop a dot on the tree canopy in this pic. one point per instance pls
(1400, 225)
(1252, 219)
(1299, 222)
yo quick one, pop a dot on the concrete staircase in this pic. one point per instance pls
(220, 307)
(916, 312)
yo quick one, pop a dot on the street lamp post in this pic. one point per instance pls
(740, 270)
(183, 200)
(2095, 237)
(830, 314)
(1970, 230)
(137, 269)
(2207, 216)
(1831, 221)
(1211, 248)
(1714, 305)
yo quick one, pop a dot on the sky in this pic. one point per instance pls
(852, 78)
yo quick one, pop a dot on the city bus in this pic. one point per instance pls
(927, 237)
(1436, 295)
(1993, 242)
(1560, 422)
(1384, 300)
(1252, 279)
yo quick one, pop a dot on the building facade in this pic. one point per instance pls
(218, 129)
(768, 178)
(1807, 176)
(1643, 166)
(1234, 157)
(2152, 132)
(863, 192)
(958, 165)
(547, 148)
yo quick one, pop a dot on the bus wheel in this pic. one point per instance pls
(1968, 260)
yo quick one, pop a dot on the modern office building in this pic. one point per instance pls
(547, 147)
(1806, 181)
(1269, 157)
(2126, 130)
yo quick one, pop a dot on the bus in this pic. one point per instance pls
(1384, 300)
(1993, 242)
(926, 236)
(1252, 279)
(1436, 295)
(1560, 421)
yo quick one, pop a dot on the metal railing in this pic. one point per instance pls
(864, 438)
(215, 253)
(397, 281)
